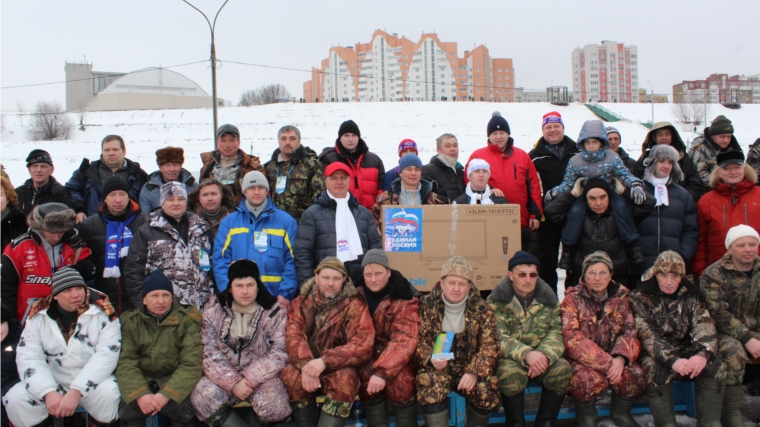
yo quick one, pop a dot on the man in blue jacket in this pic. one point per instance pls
(257, 230)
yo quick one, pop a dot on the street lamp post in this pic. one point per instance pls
(212, 27)
(651, 99)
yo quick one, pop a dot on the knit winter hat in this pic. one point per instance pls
(349, 126)
(332, 263)
(157, 281)
(667, 262)
(497, 122)
(52, 217)
(336, 166)
(523, 258)
(611, 129)
(478, 164)
(720, 125)
(593, 129)
(552, 117)
(595, 183)
(409, 160)
(376, 256)
(407, 144)
(254, 179)
(241, 269)
(594, 258)
(115, 183)
(172, 188)
(740, 231)
(730, 157)
(170, 155)
(457, 266)
(38, 156)
(66, 278)
(228, 128)
(663, 152)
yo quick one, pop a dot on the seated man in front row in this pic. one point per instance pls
(528, 325)
(329, 335)
(160, 359)
(66, 357)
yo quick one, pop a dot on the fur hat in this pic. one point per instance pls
(595, 258)
(730, 157)
(457, 266)
(243, 268)
(170, 155)
(663, 152)
(667, 262)
(497, 122)
(52, 217)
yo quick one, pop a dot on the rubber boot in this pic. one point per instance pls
(376, 412)
(234, 420)
(477, 417)
(732, 407)
(406, 416)
(326, 420)
(620, 412)
(548, 408)
(585, 413)
(192, 423)
(566, 259)
(661, 404)
(514, 410)
(437, 419)
(306, 417)
(709, 401)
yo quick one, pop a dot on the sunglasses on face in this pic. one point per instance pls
(522, 275)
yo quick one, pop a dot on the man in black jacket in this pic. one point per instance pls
(41, 188)
(445, 169)
(108, 235)
(550, 157)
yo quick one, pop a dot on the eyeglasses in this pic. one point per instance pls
(595, 273)
(522, 275)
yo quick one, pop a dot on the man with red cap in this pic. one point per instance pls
(513, 173)
(550, 156)
(406, 146)
(335, 225)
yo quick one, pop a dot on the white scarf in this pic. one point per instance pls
(485, 198)
(348, 245)
(660, 190)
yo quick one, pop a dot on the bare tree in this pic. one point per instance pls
(690, 112)
(268, 94)
(48, 122)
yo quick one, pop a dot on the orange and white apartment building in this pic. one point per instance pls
(607, 72)
(392, 68)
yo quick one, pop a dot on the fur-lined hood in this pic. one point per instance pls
(504, 292)
(749, 175)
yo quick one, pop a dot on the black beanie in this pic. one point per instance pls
(349, 126)
(720, 125)
(113, 184)
(497, 122)
(157, 281)
(523, 258)
(596, 183)
(40, 156)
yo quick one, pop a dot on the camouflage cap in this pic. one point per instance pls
(457, 266)
(667, 262)
(333, 263)
(595, 258)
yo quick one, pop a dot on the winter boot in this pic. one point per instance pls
(709, 401)
(566, 260)
(92, 422)
(306, 417)
(661, 404)
(548, 408)
(514, 410)
(406, 415)
(585, 413)
(376, 412)
(192, 423)
(732, 407)
(437, 419)
(637, 254)
(234, 420)
(326, 420)
(620, 412)
(477, 417)
(753, 388)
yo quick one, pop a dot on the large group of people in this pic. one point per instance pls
(240, 298)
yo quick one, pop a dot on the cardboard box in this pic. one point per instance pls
(419, 239)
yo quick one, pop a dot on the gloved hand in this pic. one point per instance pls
(637, 194)
(550, 195)
(619, 187)
(577, 190)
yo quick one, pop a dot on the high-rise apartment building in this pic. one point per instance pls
(607, 72)
(719, 88)
(393, 68)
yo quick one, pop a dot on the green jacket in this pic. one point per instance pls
(733, 299)
(537, 328)
(169, 353)
(305, 180)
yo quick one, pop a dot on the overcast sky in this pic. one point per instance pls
(677, 40)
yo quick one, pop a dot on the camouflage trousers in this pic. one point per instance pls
(735, 358)
(434, 385)
(399, 389)
(339, 387)
(588, 383)
(269, 401)
(513, 377)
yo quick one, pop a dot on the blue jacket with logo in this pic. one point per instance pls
(235, 240)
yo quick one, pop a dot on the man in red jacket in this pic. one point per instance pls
(733, 200)
(367, 170)
(29, 261)
(512, 172)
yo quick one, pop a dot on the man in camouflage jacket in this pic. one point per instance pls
(716, 139)
(475, 349)
(753, 157)
(295, 174)
(679, 340)
(732, 287)
(529, 329)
